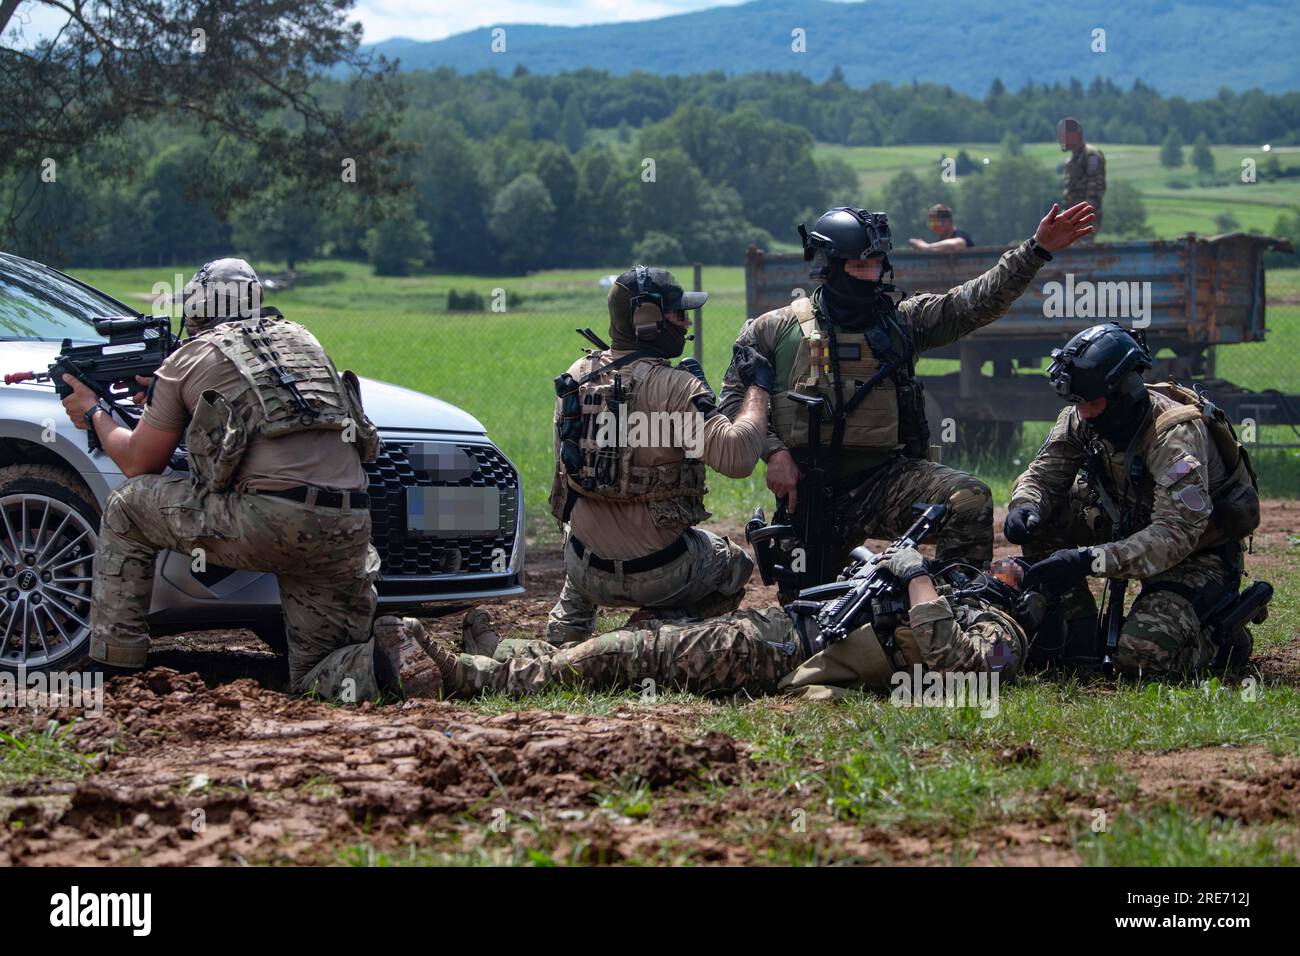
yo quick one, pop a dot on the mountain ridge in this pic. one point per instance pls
(1187, 48)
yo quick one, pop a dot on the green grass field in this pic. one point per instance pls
(1176, 200)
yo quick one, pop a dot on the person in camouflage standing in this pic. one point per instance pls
(757, 651)
(276, 484)
(1171, 468)
(851, 343)
(1085, 171)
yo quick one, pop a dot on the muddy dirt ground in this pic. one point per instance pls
(204, 760)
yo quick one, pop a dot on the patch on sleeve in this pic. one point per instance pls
(1093, 162)
(1192, 499)
(1184, 466)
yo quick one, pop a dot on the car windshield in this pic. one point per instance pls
(39, 303)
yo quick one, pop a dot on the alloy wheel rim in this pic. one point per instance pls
(46, 552)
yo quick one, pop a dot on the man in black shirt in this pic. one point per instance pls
(950, 239)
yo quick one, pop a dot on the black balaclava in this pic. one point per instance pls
(1126, 412)
(853, 303)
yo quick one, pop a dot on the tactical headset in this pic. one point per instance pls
(647, 308)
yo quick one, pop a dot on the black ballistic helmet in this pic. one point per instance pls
(846, 233)
(1100, 361)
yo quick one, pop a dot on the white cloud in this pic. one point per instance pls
(435, 19)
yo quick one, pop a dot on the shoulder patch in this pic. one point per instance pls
(1182, 467)
(1192, 499)
(1093, 161)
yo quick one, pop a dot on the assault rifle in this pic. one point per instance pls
(136, 345)
(1110, 620)
(809, 523)
(828, 613)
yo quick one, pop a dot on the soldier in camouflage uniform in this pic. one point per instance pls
(1182, 490)
(1085, 171)
(630, 499)
(757, 651)
(276, 484)
(852, 344)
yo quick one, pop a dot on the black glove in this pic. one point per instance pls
(1022, 521)
(1062, 571)
(903, 563)
(752, 367)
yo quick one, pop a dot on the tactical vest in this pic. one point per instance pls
(881, 405)
(1235, 502)
(289, 385)
(595, 463)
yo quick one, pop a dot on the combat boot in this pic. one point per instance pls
(407, 668)
(477, 634)
(445, 660)
(1234, 653)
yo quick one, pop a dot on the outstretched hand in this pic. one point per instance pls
(1057, 229)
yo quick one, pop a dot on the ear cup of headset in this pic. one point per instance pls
(645, 321)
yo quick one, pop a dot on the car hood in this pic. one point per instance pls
(395, 407)
(390, 407)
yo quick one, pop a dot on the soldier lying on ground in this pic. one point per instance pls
(754, 652)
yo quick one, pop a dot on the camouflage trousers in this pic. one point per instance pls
(880, 506)
(745, 652)
(1162, 635)
(707, 580)
(321, 557)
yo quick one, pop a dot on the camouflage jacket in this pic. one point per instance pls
(968, 636)
(935, 320)
(1171, 506)
(1085, 177)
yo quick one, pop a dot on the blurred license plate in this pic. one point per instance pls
(450, 512)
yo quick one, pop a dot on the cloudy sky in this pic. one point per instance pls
(435, 19)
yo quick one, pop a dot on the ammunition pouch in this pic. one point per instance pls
(215, 442)
(366, 435)
(1236, 511)
(913, 427)
(593, 462)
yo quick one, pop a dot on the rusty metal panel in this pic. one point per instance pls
(1184, 291)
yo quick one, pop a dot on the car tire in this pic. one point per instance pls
(66, 519)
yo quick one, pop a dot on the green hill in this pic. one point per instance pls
(1190, 48)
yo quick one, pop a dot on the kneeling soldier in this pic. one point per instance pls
(1154, 476)
(633, 435)
(276, 438)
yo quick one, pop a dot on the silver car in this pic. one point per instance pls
(52, 491)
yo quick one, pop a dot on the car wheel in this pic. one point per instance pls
(49, 531)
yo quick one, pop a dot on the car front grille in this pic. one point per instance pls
(402, 554)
